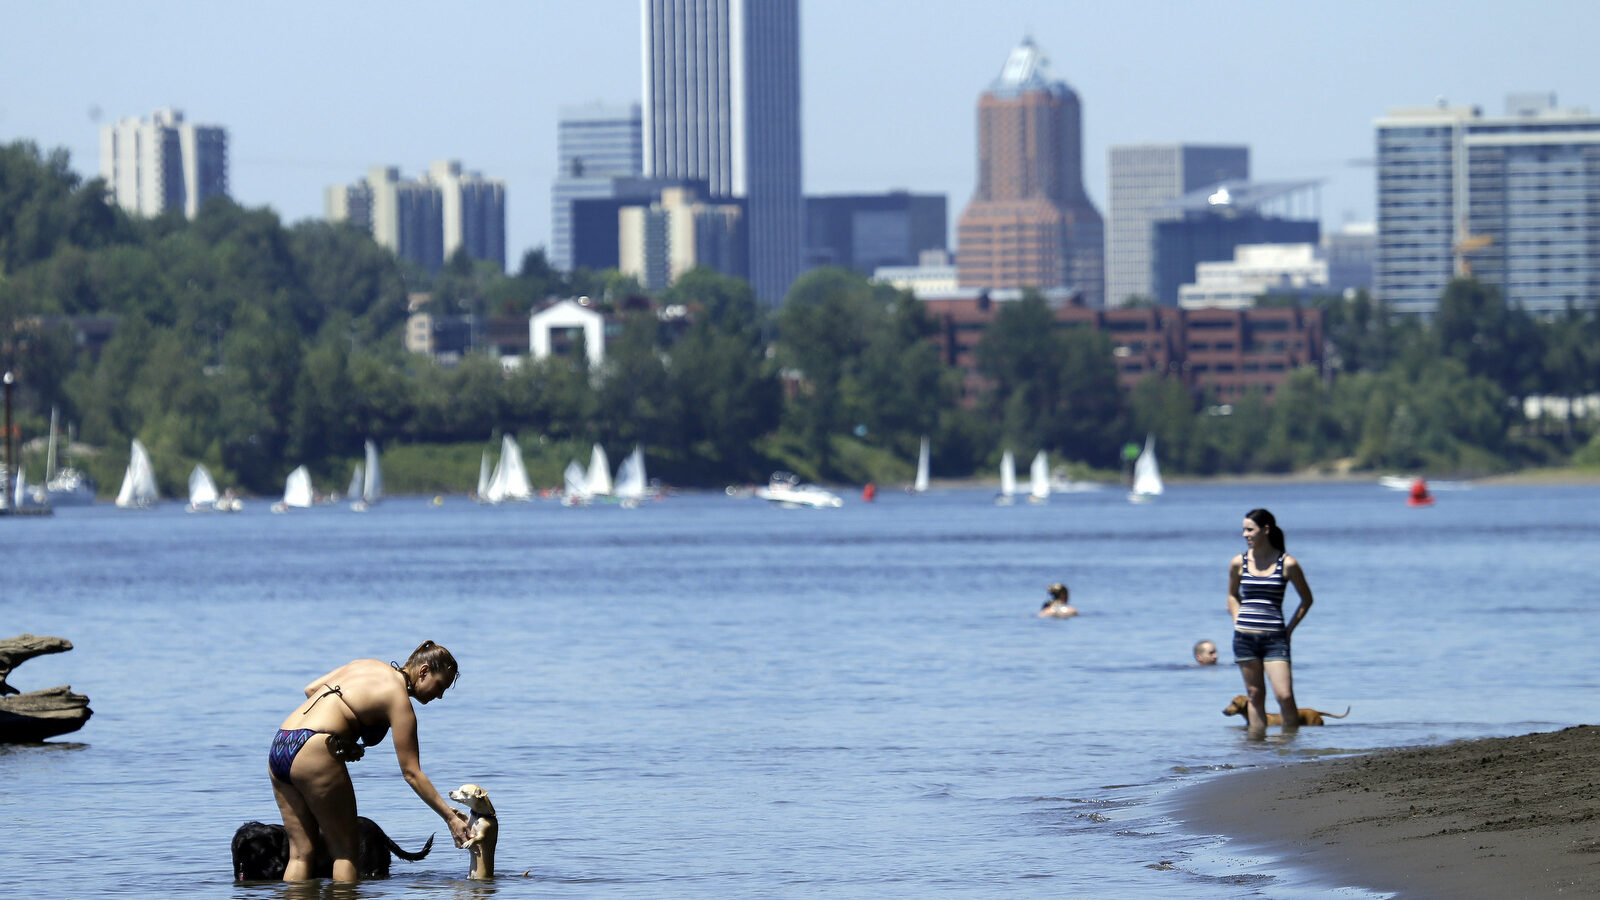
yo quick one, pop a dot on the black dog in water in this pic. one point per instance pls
(261, 852)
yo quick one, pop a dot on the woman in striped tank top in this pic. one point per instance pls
(1257, 579)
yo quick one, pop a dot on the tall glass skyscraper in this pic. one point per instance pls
(595, 146)
(1514, 200)
(722, 106)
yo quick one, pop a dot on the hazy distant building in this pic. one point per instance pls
(473, 210)
(722, 105)
(1350, 252)
(1256, 270)
(163, 163)
(661, 241)
(1030, 223)
(1208, 224)
(866, 232)
(1144, 178)
(1513, 199)
(595, 146)
(427, 219)
(934, 275)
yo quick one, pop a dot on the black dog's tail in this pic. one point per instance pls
(405, 854)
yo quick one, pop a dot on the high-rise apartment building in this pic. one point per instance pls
(1144, 179)
(722, 106)
(427, 219)
(1515, 200)
(163, 163)
(595, 146)
(662, 240)
(473, 210)
(1030, 223)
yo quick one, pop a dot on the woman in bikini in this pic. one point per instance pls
(363, 699)
(1257, 579)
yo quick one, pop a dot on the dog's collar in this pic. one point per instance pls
(483, 815)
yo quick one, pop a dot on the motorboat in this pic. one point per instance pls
(786, 489)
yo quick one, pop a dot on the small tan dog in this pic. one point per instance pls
(483, 827)
(1308, 716)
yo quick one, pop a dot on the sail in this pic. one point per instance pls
(921, 483)
(21, 497)
(50, 454)
(372, 483)
(1008, 474)
(599, 477)
(576, 481)
(297, 489)
(358, 477)
(139, 482)
(1146, 474)
(202, 490)
(1039, 477)
(483, 477)
(512, 483)
(630, 476)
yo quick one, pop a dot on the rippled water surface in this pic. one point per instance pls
(710, 697)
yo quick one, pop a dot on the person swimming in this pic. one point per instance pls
(1057, 606)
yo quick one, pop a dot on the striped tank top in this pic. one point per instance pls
(1261, 599)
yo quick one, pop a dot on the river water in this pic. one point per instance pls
(708, 696)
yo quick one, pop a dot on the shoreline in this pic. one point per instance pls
(1484, 818)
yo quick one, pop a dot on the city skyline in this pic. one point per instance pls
(888, 90)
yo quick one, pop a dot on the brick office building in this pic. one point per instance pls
(1225, 352)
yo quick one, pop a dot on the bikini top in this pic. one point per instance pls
(370, 735)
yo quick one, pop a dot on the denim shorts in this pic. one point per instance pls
(1251, 646)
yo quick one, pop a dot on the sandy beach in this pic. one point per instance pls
(1491, 818)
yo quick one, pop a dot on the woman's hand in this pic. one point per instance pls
(458, 828)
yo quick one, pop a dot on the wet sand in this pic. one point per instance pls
(1491, 818)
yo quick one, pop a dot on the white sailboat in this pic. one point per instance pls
(482, 494)
(1039, 478)
(358, 477)
(139, 481)
(630, 485)
(510, 478)
(921, 483)
(65, 486)
(370, 478)
(203, 494)
(1146, 474)
(576, 483)
(296, 491)
(1008, 479)
(20, 497)
(599, 476)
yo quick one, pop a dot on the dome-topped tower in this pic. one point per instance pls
(1030, 222)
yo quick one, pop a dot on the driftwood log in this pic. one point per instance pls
(36, 715)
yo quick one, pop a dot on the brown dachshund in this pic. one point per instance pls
(1308, 716)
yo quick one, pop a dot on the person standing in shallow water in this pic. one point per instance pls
(363, 699)
(1257, 582)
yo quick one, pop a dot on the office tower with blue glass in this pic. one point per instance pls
(598, 147)
(1512, 200)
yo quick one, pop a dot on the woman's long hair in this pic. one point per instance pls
(1267, 523)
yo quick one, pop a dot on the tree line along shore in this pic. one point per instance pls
(253, 348)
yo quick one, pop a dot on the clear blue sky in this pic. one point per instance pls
(313, 93)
